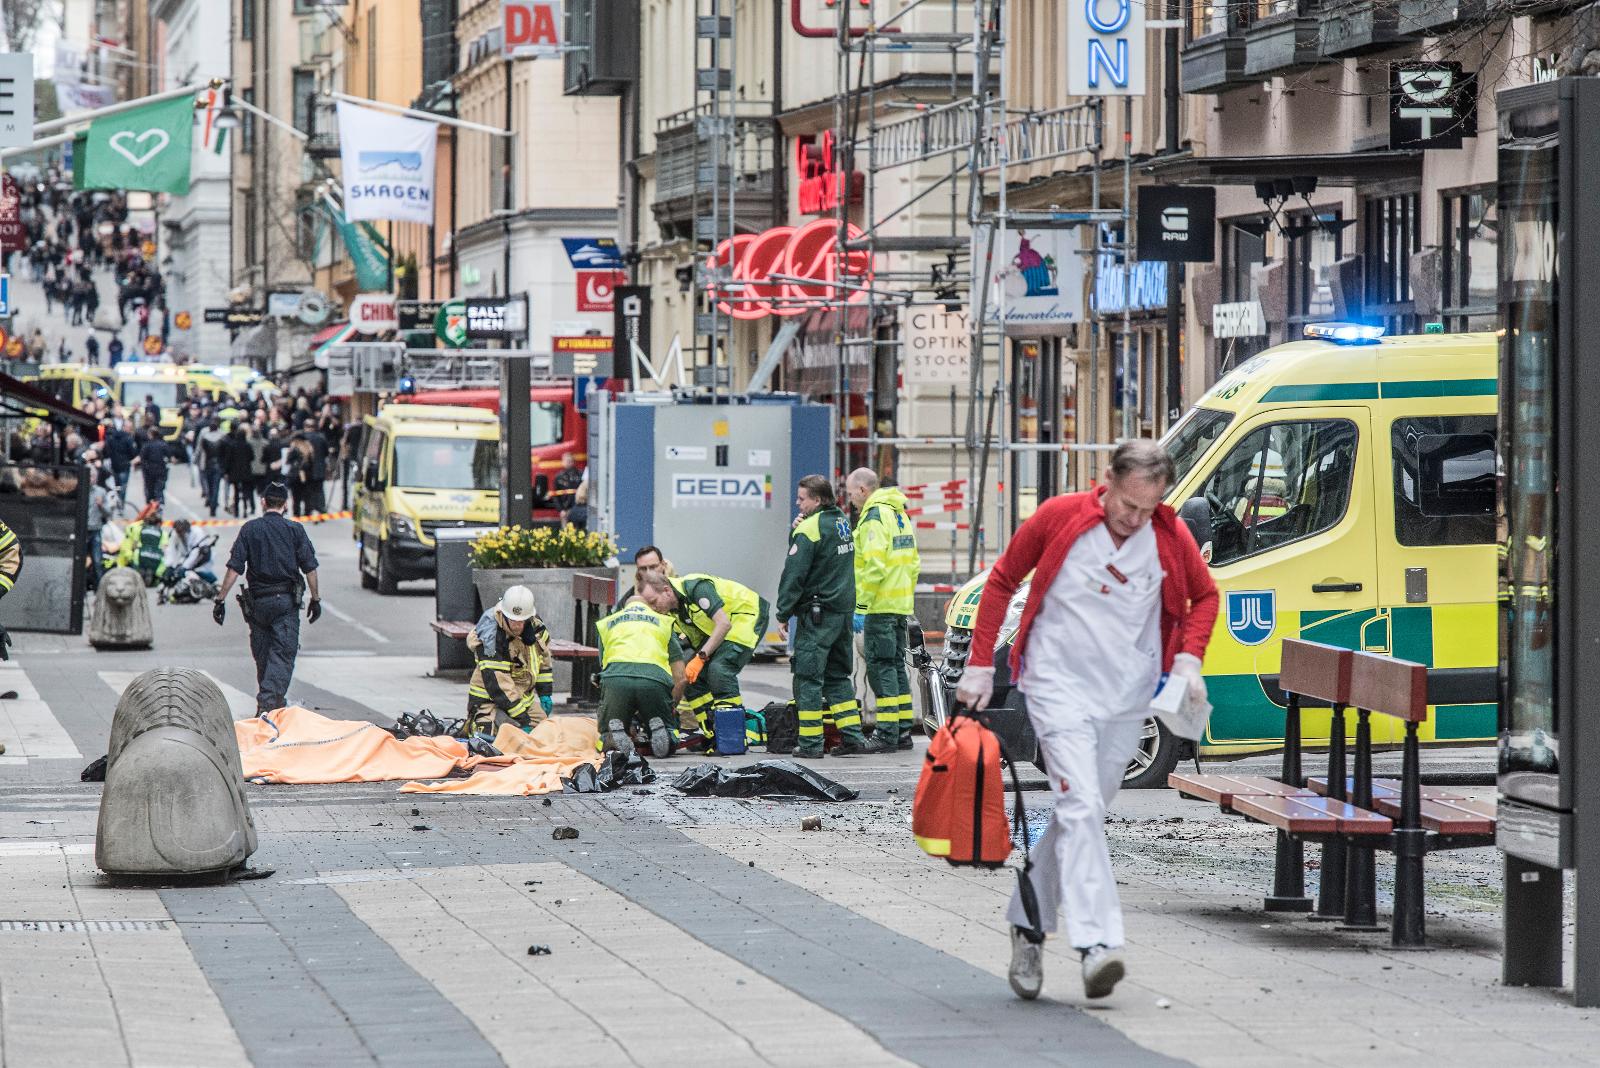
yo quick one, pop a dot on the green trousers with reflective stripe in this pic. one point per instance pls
(884, 641)
(824, 652)
(718, 684)
(635, 702)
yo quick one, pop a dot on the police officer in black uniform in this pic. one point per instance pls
(273, 552)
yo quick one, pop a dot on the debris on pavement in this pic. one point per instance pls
(564, 834)
(421, 827)
(811, 823)
(616, 770)
(764, 778)
(538, 951)
(95, 772)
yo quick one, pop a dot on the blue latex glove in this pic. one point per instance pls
(860, 622)
(547, 704)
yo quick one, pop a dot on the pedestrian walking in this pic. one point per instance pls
(887, 566)
(211, 456)
(152, 464)
(272, 552)
(1120, 594)
(102, 508)
(819, 587)
(121, 449)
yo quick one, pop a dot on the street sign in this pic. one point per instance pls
(571, 362)
(593, 253)
(5, 294)
(631, 325)
(582, 386)
(530, 29)
(234, 318)
(1177, 224)
(1431, 105)
(183, 320)
(450, 324)
(374, 313)
(16, 99)
(496, 318)
(418, 314)
(597, 289)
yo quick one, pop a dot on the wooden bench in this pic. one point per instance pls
(576, 653)
(1352, 815)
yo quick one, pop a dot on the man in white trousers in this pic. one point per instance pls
(1120, 595)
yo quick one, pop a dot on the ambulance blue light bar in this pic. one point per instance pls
(1344, 333)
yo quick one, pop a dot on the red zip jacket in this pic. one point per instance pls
(1188, 596)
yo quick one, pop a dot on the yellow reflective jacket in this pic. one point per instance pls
(887, 561)
(699, 597)
(10, 558)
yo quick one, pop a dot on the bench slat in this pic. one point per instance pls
(1312, 669)
(1223, 789)
(1318, 784)
(1446, 816)
(1312, 815)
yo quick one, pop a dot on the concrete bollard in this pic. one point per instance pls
(121, 618)
(173, 802)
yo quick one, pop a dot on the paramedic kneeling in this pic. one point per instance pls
(1120, 594)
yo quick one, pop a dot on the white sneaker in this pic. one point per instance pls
(1027, 966)
(1102, 971)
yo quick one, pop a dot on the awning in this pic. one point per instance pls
(1330, 169)
(327, 337)
(259, 343)
(22, 395)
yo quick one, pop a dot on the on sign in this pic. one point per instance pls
(1105, 48)
(530, 28)
(374, 313)
(807, 260)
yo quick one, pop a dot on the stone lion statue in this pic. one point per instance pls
(173, 802)
(121, 618)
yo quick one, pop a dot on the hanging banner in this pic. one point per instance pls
(1040, 273)
(1105, 48)
(146, 148)
(388, 165)
(370, 263)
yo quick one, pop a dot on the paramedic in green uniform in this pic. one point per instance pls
(887, 565)
(819, 587)
(641, 673)
(722, 622)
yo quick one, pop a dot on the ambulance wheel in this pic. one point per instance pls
(368, 582)
(1154, 760)
(388, 585)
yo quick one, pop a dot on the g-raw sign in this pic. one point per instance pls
(717, 490)
(1105, 48)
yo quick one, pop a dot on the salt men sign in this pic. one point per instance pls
(1105, 48)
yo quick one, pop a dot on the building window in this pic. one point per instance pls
(1315, 241)
(305, 91)
(247, 123)
(1244, 248)
(372, 53)
(247, 20)
(1469, 244)
(1207, 17)
(1392, 231)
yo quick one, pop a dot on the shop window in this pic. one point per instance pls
(1391, 232)
(1315, 241)
(1444, 480)
(1244, 248)
(1469, 243)
(1283, 483)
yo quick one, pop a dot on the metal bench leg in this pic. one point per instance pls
(1361, 876)
(1410, 847)
(1289, 856)
(1330, 891)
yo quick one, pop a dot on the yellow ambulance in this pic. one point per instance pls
(73, 384)
(1343, 490)
(165, 383)
(422, 467)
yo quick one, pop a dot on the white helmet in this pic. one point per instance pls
(517, 603)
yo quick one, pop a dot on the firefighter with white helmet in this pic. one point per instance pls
(512, 680)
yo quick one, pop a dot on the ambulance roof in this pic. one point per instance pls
(406, 416)
(1324, 372)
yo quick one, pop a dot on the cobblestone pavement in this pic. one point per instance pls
(397, 930)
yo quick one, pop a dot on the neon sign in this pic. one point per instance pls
(1105, 48)
(808, 264)
(822, 184)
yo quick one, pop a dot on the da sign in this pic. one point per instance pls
(1105, 48)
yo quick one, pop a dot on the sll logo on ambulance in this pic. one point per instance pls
(1252, 615)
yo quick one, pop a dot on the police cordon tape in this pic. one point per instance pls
(318, 518)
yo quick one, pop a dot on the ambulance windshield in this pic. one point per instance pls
(1193, 437)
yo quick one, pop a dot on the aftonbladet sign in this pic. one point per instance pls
(791, 270)
(821, 183)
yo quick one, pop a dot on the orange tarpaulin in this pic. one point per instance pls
(553, 749)
(296, 745)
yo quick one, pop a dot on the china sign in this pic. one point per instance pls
(530, 28)
(807, 260)
(1105, 48)
(374, 313)
(821, 183)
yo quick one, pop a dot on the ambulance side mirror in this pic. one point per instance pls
(1196, 515)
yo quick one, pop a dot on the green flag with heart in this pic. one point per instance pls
(145, 148)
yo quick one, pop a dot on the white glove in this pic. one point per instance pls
(976, 687)
(1187, 665)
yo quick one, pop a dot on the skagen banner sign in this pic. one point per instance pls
(1177, 224)
(1105, 48)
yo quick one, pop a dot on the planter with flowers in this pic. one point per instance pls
(544, 559)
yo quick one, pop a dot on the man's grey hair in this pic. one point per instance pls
(1143, 458)
(653, 579)
(865, 477)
